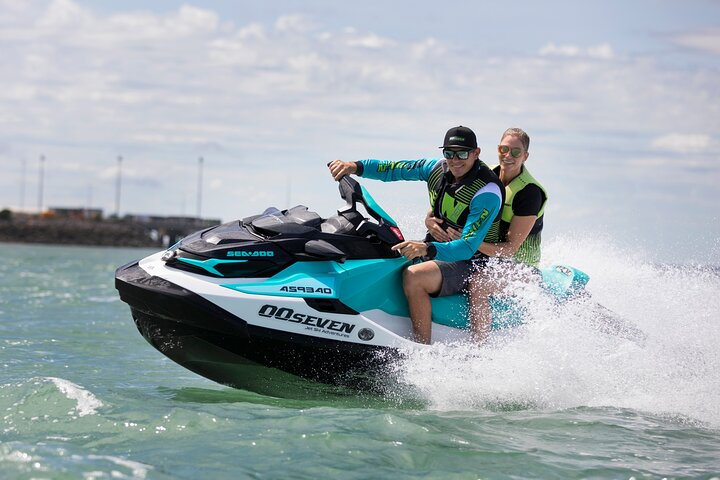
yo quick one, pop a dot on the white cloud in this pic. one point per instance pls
(193, 19)
(683, 143)
(13, 5)
(186, 22)
(64, 14)
(603, 51)
(369, 41)
(144, 68)
(252, 30)
(560, 50)
(707, 40)
(294, 24)
(427, 48)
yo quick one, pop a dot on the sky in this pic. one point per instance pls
(621, 101)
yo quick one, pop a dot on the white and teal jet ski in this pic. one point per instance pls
(289, 291)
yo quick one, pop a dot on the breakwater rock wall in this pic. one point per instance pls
(89, 232)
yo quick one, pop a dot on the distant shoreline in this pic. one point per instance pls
(110, 233)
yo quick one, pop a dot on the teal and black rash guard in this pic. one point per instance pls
(471, 204)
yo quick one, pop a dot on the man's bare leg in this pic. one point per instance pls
(419, 281)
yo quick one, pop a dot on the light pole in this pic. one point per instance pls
(89, 201)
(118, 182)
(41, 186)
(22, 185)
(199, 187)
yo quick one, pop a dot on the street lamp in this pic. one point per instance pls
(199, 186)
(41, 186)
(22, 185)
(117, 187)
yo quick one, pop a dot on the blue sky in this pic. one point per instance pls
(621, 100)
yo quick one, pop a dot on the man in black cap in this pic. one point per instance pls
(467, 196)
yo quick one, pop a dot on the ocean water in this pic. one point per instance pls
(82, 395)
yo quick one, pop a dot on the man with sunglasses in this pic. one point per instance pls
(518, 250)
(465, 195)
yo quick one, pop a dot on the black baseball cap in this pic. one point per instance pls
(460, 137)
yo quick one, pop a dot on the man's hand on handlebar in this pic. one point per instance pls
(339, 169)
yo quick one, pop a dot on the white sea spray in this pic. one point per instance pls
(564, 357)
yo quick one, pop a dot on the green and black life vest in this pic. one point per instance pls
(529, 251)
(451, 201)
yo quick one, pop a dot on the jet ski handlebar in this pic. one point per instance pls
(352, 192)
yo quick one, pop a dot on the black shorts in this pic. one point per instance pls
(455, 275)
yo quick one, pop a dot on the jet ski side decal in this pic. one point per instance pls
(209, 264)
(319, 324)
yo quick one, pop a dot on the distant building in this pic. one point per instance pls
(76, 213)
(169, 230)
(174, 221)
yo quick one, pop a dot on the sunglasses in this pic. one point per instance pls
(514, 152)
(461, 154)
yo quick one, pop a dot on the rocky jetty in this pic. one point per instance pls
(113, 233)
(78, 232)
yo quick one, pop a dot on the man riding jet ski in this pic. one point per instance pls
(466, 195)
(246, 302)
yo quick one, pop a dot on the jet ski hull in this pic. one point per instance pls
(218, 345)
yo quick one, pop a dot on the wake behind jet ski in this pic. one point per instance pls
(288, 292)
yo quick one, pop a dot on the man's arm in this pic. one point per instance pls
(392, 171)
(384, 170)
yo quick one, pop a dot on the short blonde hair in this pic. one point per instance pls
(520, 133)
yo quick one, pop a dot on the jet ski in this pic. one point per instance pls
(287, 294)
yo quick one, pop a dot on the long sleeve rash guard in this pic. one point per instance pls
(483, 209)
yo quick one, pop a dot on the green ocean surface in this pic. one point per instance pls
(83, 395)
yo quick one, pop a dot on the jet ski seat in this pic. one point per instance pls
(299, 219)
(301, 215)
(296, 220)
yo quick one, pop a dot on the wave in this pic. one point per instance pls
(38, 400)
(86, 402)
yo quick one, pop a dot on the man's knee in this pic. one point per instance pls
(410, 278)
(421, 278)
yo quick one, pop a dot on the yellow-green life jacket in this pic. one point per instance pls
(529, 251)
